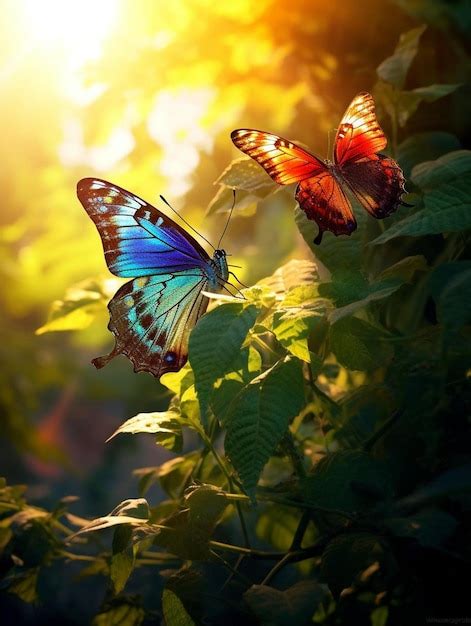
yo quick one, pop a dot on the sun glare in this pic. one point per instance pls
(76, 29)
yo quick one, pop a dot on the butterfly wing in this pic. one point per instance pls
(283, 160)
(324, 201)
(152, 317)
(377, 183)
(359, 134)
(376, 180)
(318, 193)
(138, 240)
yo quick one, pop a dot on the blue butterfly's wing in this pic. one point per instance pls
(152, 317)
(138, 240)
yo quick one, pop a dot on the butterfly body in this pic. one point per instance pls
(152, 315)
(358, 169)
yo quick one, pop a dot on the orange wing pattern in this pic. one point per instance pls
(283, 160)
(377, 183)
(359, 134)
(323, 200)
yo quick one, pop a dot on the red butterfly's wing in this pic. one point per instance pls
(359, 134)
(377, 183)
(323, 200)
(283, 160)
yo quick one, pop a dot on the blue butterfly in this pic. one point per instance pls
(152, 315)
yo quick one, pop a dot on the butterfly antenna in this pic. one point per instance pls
(184, 220)
(228, 219)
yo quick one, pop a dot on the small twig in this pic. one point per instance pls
(389, 423)
(235, 573)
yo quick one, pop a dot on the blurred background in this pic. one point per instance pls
(145, 94)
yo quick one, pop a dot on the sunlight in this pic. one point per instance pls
(176, 124)
(74, 28)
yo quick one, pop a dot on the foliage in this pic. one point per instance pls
(318, 466)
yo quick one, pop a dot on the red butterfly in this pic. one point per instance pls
(375, 180)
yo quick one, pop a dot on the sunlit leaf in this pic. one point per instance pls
(166, 425)
(215, 343)
(79, 306)
(244, 173)
(292, 274)
(260, 416)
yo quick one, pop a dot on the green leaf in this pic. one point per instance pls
(246, 202)
(394, 69)
(292, 274)
(355, 344)
(294, 323)
(121, 567)
(172, 475)
(206, 504)
(174, 611)
(166, 425)
(407, 102)
(133, 507)
(351, 292)
(431, 174)
(424, 146)
(347, 481)
(79, 306)
(187, 532)
(260, 416)
(120, 613)
(245, 174)
(24, 586)
(447, 209)
(450, 285)
(189, 584)
(379, 616)
(295, 605)
(215, 344)
(405, 269)
(133, 511)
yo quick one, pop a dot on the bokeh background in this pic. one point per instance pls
(145, 94)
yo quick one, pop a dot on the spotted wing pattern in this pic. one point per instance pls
(138, 240)
(283, 160)
(151, 318)
(359, 134)
(377, 183)
(152, 315)
(376, 180)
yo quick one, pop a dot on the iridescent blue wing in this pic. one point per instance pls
(138, 240)
(152, 317)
